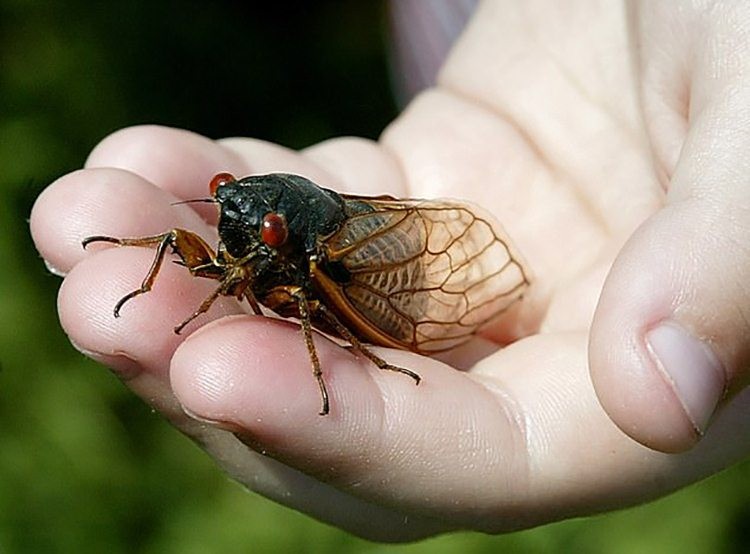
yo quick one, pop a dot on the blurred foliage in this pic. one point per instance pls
(84, 465)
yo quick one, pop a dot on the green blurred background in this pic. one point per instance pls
(84, 465)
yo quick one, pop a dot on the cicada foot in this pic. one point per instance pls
(193, 251)
(378, 361)
(160, 242)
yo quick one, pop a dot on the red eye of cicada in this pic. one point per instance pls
(219, 180)
(274, 231)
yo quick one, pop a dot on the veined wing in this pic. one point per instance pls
(427, 273)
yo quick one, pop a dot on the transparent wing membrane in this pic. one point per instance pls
(428, 273)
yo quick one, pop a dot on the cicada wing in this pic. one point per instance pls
(428, 274)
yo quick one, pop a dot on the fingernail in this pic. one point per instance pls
(212, 421)
(691, 368)
(125, 367)
(53, 270)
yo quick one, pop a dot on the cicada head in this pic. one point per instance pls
(281, 215)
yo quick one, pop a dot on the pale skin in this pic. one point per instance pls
(621, 173)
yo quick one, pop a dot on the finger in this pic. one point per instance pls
(101, 202)
(266, 475)
(360, 166)
(348, 164)
(183, 162)
(264, 157)
(577, 123)
(671, 341)
(174, 159)
(117, 203)
(496, 451)
(138, 346)
(292, 488)
(258, 380)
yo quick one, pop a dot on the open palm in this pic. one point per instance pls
(591, 152)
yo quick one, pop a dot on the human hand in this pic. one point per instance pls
(596, 170)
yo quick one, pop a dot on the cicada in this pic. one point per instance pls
(421, 275)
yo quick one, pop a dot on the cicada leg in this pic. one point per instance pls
(203, 308)
(231, 285)
(253, 302)
(304, 315)
(354, 341)
(193, 251)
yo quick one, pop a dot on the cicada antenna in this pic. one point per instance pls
(195, 201)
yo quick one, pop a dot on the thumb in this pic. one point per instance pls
(670, 341)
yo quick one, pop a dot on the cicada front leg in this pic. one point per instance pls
(194, 254)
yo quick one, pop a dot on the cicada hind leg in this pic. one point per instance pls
(194, 254)
(305, 310)
(356, 344)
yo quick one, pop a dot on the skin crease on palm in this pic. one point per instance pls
(611, 141)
